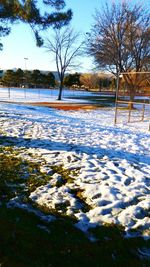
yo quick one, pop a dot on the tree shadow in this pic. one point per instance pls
(28, 241)
(79, 148)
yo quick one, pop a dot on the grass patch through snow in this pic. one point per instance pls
(25, 240)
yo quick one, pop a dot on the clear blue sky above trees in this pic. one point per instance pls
(20, 43)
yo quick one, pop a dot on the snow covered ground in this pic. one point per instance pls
(110, 164)
(37, 95)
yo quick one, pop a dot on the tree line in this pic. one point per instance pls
(38, 79)
(33, 79)
(90, 81)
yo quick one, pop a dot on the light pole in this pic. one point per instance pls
(25, 61)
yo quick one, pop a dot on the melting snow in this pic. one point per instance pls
(112, 162)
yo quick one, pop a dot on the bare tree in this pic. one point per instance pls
(120, 39)
(64, 45)
(90, 80)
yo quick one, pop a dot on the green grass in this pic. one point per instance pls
(27, 241)
(18, 176)
(66, 175)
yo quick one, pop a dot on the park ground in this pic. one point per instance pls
(74, 187)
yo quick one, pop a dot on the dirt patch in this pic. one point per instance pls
(66, 106)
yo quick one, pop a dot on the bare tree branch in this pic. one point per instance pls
(119, 41)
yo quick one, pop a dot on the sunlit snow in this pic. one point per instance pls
(112, 162)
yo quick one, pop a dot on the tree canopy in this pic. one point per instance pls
(30, 12)
(34, 78)
(72, 79)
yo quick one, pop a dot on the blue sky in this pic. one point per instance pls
(20, 43)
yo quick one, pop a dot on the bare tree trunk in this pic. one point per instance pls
(60, 90)
(132, 95)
